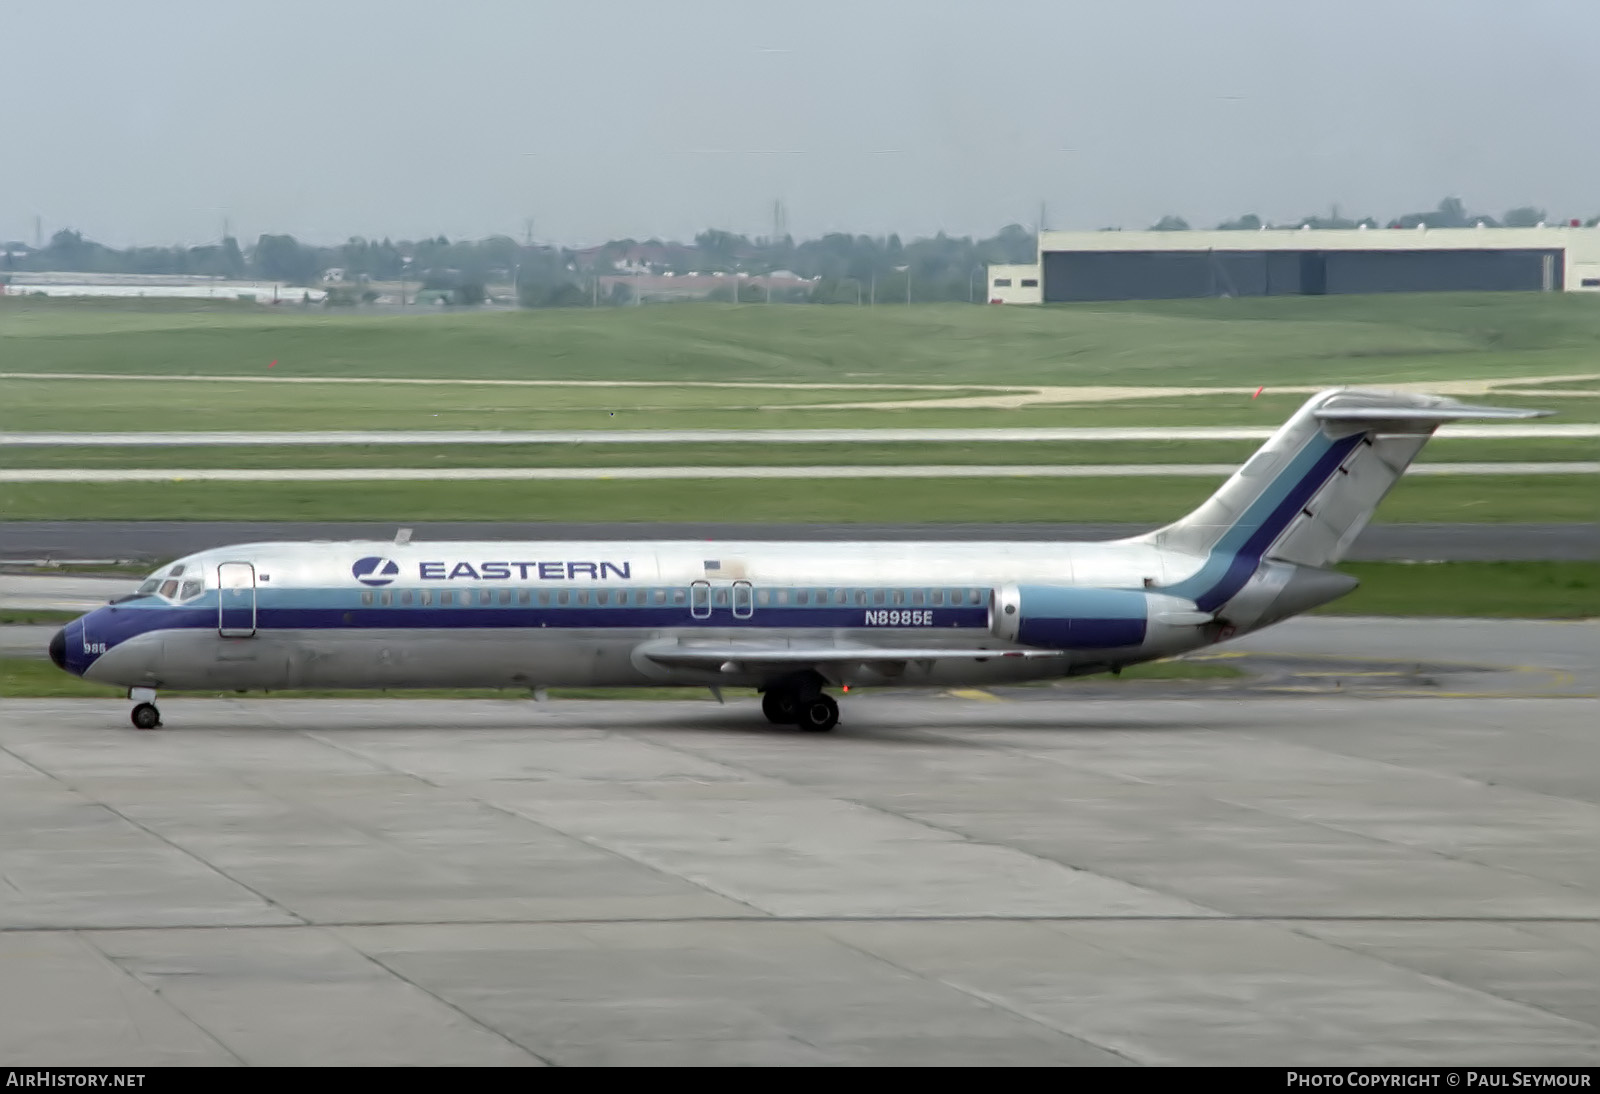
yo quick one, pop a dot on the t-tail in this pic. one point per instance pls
(1262, 544)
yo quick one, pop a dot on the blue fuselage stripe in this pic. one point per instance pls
(1238, 553)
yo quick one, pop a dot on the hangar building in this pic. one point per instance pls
(1075, 266)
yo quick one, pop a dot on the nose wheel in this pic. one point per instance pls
(145, 715)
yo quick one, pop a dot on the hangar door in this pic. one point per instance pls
(1167, 275)
(1445, 271)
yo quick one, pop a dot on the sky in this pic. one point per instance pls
(162, 121)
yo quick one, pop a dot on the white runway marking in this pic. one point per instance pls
(568, 474)
(465, 381)
(744, 436)
(1002, 396)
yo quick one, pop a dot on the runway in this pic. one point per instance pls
(1195, 874)
(159, 541)
(738, 436)
(843, 471)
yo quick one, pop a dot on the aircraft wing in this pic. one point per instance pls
(737, 657)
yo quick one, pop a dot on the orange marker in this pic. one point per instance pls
(1259, 390)
(274, 363)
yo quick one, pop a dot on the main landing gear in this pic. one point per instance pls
(800, 703)
(145, 715)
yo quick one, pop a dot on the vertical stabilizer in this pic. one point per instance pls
(1310, 490)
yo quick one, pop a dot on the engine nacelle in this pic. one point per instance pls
(1064, 617)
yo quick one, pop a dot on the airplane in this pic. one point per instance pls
(787, 619)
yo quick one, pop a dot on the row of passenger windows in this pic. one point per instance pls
(642, 597)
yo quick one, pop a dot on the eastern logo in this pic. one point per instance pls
(375, 571)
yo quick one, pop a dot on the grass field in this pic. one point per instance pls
(27, 617)
(1244, 343)
(1247, 341)
(1496, 498)
(1491, 590)
(739, 454)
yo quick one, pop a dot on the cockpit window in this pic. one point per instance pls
(177, 571)
(150, 586)
(191, 589)
(168, 588)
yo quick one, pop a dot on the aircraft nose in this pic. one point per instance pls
(58, 649)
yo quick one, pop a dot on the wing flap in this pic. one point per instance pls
(741, 657)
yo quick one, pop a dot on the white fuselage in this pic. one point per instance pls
(577, 614)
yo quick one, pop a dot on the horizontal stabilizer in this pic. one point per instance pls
(1448, 412)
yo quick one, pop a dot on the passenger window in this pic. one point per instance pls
(783, 596)
(427, 597)
(838, 596)
(583, 596)
(899, 597)
(544, 598)
(385, 598)
(861, 596)
(679, 596)
(505, 596)
(661, 596)
(561, 597)
(522, 596)
(763, 597)
(937, 597)
(602, 597)
(446, 596)
(877, 596)
(802, 597)
(975, 597)
(366, 598)
(916, 596)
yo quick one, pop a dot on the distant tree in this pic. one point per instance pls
(1247, 223)
(1170, 223)
(1017, 244)
(470, 293)
(282, 258)
(1452, 214)
(1592, 222)
(1523, 216)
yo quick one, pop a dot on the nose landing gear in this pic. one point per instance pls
(145, 715)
